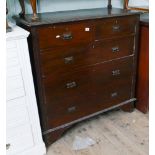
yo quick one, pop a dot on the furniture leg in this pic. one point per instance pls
(53, 136)
(8, 28)
(22, 4)
(109, 4)
(128, 107)
(126, 4)
(34, 9)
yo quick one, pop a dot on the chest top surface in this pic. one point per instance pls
(74, 15)
(144, 19)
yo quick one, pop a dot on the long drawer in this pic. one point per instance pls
(64, 34)
(115, 27)
(66, 59)
(94, 88)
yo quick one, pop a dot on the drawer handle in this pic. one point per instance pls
(8, 146)
(115, 49)
(116, 28)
(116, 72)
(114, 94)
(67, 36)
(69, 60)
(71, 109)
(71, 85)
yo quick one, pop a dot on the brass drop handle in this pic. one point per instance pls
(8, 146)
(114, 94)
(71, 109)
(71, 85)
(115, 49)
(69, 60)
(116, 72)
(116, 28)
(67, 36)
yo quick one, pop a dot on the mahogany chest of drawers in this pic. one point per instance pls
(84, 63)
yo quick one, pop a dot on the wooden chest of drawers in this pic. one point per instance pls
(84, 63)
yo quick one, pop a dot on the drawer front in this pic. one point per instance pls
(11, 44)
(16, 113)
(66, 60)
(18, 139)
(64, 34)
(12, 58)
(13, 72)
(99, 87)
(114, 48)
(115, 27)
(15, 87)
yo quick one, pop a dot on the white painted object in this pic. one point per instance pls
(22, 120)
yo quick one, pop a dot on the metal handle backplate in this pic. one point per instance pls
(71, 109)
(114, 94)
(115, 49)
(67, 36)
(71, 85)
(69, 60)
(116, 72)
(116, 28)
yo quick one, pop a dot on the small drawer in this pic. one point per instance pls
(14, 83)
(114, 48)
(15, 87)
(16, 113)
(13, 71)
(17, 93)
(16, 102)
(12, 62)
(18, 139)
(64, 34)
(115, 27)
(104, 85)
(11, 44)
(12, 53)
(12, 58)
